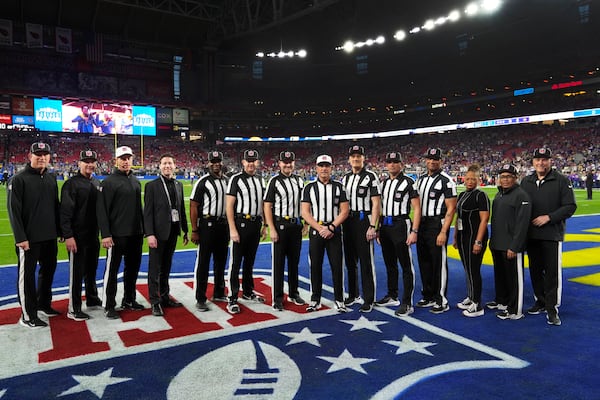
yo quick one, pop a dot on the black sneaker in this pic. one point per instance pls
(492, 305)
(33, 323)
(553, 319)
(439, 308)
(536, 309)
(424, 303)
(404, 310)
(313, 306)
(132, 305)
(233, 307)
(48, 311)
(93, 302)
(78, 316)
(253, 297)
(202, 306)
(157, 310)
(111, 313)
(365, 308)
(297, 300)
(353, 300)
(387, 301)
(278, 305)
(222, 299)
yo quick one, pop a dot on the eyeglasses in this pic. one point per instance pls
(507, 177)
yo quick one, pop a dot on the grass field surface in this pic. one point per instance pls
(8, 256)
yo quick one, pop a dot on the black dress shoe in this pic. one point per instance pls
(171, 303)
(93, 302)
(157, 310)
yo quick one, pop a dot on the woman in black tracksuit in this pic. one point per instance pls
(470, 238)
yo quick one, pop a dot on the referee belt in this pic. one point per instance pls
(211, 218)
(360, 214)
(288, 219)
(248, 217)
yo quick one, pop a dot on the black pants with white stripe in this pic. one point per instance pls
(394, 249)
(287, 247)
(83, 266)
(243, 255)
(128, 248)
(316, 253)
(433, 261)
(508, 279)
(29, 297)
(358, 249)
(214, 241)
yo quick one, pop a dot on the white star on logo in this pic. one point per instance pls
(96, 383)
(305, 336)
(2, 392)
(347, 360)
(408, 345)
(363, 323)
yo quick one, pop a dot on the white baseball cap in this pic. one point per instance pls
(324, 158)
(122, 151)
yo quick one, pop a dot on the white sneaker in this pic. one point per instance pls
(473, 311)
(340, 307)
(465, 304)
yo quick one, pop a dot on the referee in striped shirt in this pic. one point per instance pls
(282, 215)
(244, 208)
(437, 192)
(397, 233)
(324, 208)
(209, 230)
(363, 191)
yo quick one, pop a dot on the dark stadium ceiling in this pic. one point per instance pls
(526, 38)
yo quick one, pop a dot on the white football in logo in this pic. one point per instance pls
(242, 370)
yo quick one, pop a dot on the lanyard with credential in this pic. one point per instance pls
(174, 212)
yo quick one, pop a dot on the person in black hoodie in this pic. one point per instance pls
(511, 210)
(120, 218)
(80, 229)
(553, 201)
(33, 210)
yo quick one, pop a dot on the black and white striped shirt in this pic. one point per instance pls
(360, 188)
(284, 192)
(248, 191)
(209, 191)
(324, 199)
(396, 195)
(433, 191)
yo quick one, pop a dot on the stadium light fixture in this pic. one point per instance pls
(400, 35)
(454, 16)
(283, 54)
(490, 6)
(429, 25)
(472, 9)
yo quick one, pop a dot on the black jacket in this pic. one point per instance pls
(119, 205)
(33, 207)
(157, 210)
(78, 208)
(511, 211)
(553, 197)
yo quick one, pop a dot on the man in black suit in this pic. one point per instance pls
(164, 219)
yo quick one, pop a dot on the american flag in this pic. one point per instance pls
(94, 49)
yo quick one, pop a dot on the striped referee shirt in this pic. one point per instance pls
(434, 190)
(396, 195)
(284, 192)
(209, 191)
(360, 188)
(248, 191)
(324, 199)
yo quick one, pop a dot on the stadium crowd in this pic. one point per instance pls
(577, 152)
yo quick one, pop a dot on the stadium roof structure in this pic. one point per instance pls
(525, 39)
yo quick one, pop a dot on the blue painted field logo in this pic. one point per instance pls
(259, 353)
